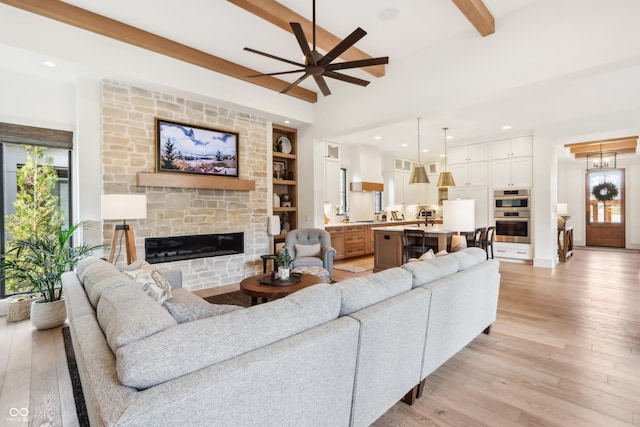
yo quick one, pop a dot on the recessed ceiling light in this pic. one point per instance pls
(449, 137)
(506, 127)
(377, 137)
(425, 151)
(49, 64)
(389, 14)
(286, 122)
(441, 155)
(404, 145)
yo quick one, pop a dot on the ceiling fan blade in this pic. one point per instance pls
(345, 78)
(268, 55)
(277, 74)
(357, 64)
(302, 41)
(294, 84)
(345, 44)
(322, 84)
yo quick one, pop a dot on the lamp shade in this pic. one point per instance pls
(446, 180)
(419, 176)
(562, 209)
(124, 206)
(458, 215)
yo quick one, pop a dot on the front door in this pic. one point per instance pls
(605, 208)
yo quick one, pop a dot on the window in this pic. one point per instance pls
(343, 208)
(377, 202)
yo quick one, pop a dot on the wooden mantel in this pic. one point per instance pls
(174, 180)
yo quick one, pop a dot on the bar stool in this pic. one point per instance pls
(415, 243)
(488, 240)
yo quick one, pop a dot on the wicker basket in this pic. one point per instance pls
(19, 308)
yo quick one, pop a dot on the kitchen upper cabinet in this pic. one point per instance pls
(480, 196)
(512, 173)
(332, 182)
(472, 174)
(508, 148)
(468, 153)
(408, 194)
(332, 151)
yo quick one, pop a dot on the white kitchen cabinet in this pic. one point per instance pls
(402, 164)
(468, 153)
(522, 251)
(332, 150)
(471, 174)
(408, 194)
(332, 182)
(508, 148)
(512, 173)
(480, 196)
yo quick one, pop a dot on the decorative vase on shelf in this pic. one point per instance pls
(285, 197)
(276, 200)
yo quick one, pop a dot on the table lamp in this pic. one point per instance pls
(124, 207)
(458, 215)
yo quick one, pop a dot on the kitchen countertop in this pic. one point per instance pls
(372, 223)
(436, 229)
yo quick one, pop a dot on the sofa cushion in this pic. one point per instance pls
(97, 276)
(469, 257)
(361, 292)
(431, 269)
(150, 280)
(307, 250)
(185, 312)
(192, 346)
(127, 314)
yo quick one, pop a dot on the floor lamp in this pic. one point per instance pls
(124, 207)
(458, 215)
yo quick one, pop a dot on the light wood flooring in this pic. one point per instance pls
(564, 351)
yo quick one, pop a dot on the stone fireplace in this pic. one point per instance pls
(129, 147)
(178, 248)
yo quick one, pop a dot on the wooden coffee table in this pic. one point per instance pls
(250, 286)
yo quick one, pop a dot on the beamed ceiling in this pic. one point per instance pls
(622, 145)
(271, 11)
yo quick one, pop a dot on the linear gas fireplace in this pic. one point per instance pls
(177, 248)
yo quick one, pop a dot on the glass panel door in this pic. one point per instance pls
(605, 208)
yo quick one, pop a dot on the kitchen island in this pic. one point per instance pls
(353, 239)
(389, 244)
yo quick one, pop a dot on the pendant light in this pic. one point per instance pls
(446, 178)
(419, 173)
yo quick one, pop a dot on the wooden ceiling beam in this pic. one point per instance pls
(601, 141)
(622, 151)
(281, 16)
(608, 147)
(86, 20)
(478, 14)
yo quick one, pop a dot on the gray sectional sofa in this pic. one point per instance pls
(329, 355)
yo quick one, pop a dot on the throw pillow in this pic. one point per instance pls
(427, 255)
(184, 312)
(308, 250)
(150, 280)
(442, 253)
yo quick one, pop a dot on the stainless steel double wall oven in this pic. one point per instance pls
(512, 214)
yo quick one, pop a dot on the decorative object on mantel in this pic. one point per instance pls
(184, 148)
(419, 173)
(446, 178)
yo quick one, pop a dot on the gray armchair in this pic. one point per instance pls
(301, 244)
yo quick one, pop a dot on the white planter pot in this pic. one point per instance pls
(283, 273)
(47, 315)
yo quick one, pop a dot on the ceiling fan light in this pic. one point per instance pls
(419, 176)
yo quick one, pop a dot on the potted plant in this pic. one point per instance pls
(284, 263)
(40, 261)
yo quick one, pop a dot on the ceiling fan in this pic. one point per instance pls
(319, 66)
